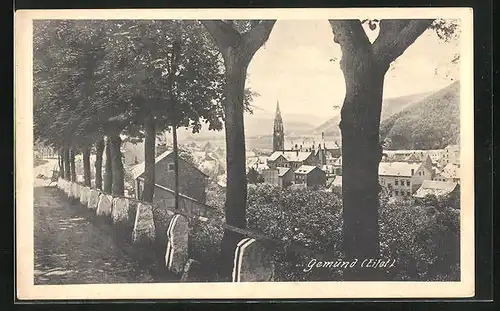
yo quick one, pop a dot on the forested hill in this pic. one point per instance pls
(431, 123)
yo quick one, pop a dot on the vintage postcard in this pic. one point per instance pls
(244, 153)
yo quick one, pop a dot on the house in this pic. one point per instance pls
(310, 175)
(337, 166)
(192, 181)
(450, 173)
(438, 189)
(281, 176)
(292, 159)
(402, 179)
(451, 155)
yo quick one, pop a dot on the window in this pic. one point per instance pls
(412, 172)
(397, 192)
(408, 193)
(419, 173)
(408, 183)
(171, 167)
(396, 182)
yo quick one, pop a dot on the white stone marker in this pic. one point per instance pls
(84, 195)
(105, 205)
(120, 210)
(93, 200)
(176, 254)
(252, 262)
(144, 226)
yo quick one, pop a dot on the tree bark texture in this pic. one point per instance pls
(117, 165)
(66, 160)
(364, 66)
(87, 175)
(108, 170)
(98, 163)
(176, 166)
(72, 165)
(149, 158)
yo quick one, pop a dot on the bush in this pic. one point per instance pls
(425, 240)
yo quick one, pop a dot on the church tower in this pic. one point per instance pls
(279, 132)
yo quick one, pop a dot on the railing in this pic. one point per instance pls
(253, 259)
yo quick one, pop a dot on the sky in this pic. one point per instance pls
(294, 67)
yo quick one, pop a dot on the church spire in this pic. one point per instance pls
(278, 135)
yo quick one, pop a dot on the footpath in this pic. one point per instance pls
(72, 249)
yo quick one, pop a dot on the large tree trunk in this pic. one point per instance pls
(237, 50)
(236, 191)
(108, 170)
(87, 175)
(66, 160)
(361, 155)
(98, 163)
(364, 66)
(72, 165)
(176, 166)
(117, 165)
(149, 158)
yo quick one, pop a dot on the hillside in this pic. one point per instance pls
(390, 107)
(431, 123)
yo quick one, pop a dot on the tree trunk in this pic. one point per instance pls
(67, 170)
(118, 187)
(236, 191)
(149, 158)
(72, 165)
(176, 166)
(108, 171)
(361, 155)
(98, 163)
(87, 176)
(60, 158)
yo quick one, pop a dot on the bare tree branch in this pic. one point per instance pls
(257, 36)
(396, 36)
(223, 33)
(350, 35)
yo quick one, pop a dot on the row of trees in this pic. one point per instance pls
(105, 78)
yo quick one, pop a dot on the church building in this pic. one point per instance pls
(279, 131)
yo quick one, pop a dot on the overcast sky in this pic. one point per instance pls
(294, 67)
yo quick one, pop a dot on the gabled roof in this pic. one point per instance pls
(282, 171)
(397, 168)
(437, 188)
(305, 169)
(138, 169)
(291, 156)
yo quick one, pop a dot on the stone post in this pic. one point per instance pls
(105, 205)
(252, 262)
(144, 227)
(120, 210)
(176, 254)
(93, 200)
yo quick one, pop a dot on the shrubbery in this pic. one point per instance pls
(425, 240)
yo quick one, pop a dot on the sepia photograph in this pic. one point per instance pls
(244, 153)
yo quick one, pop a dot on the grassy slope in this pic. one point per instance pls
(431, 123)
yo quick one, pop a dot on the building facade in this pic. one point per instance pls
(310, 176)
(292, 159)
(402, 179)
(192, 181)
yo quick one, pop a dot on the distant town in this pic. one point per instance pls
(310, 163)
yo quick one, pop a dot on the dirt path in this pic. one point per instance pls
(70, 249)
